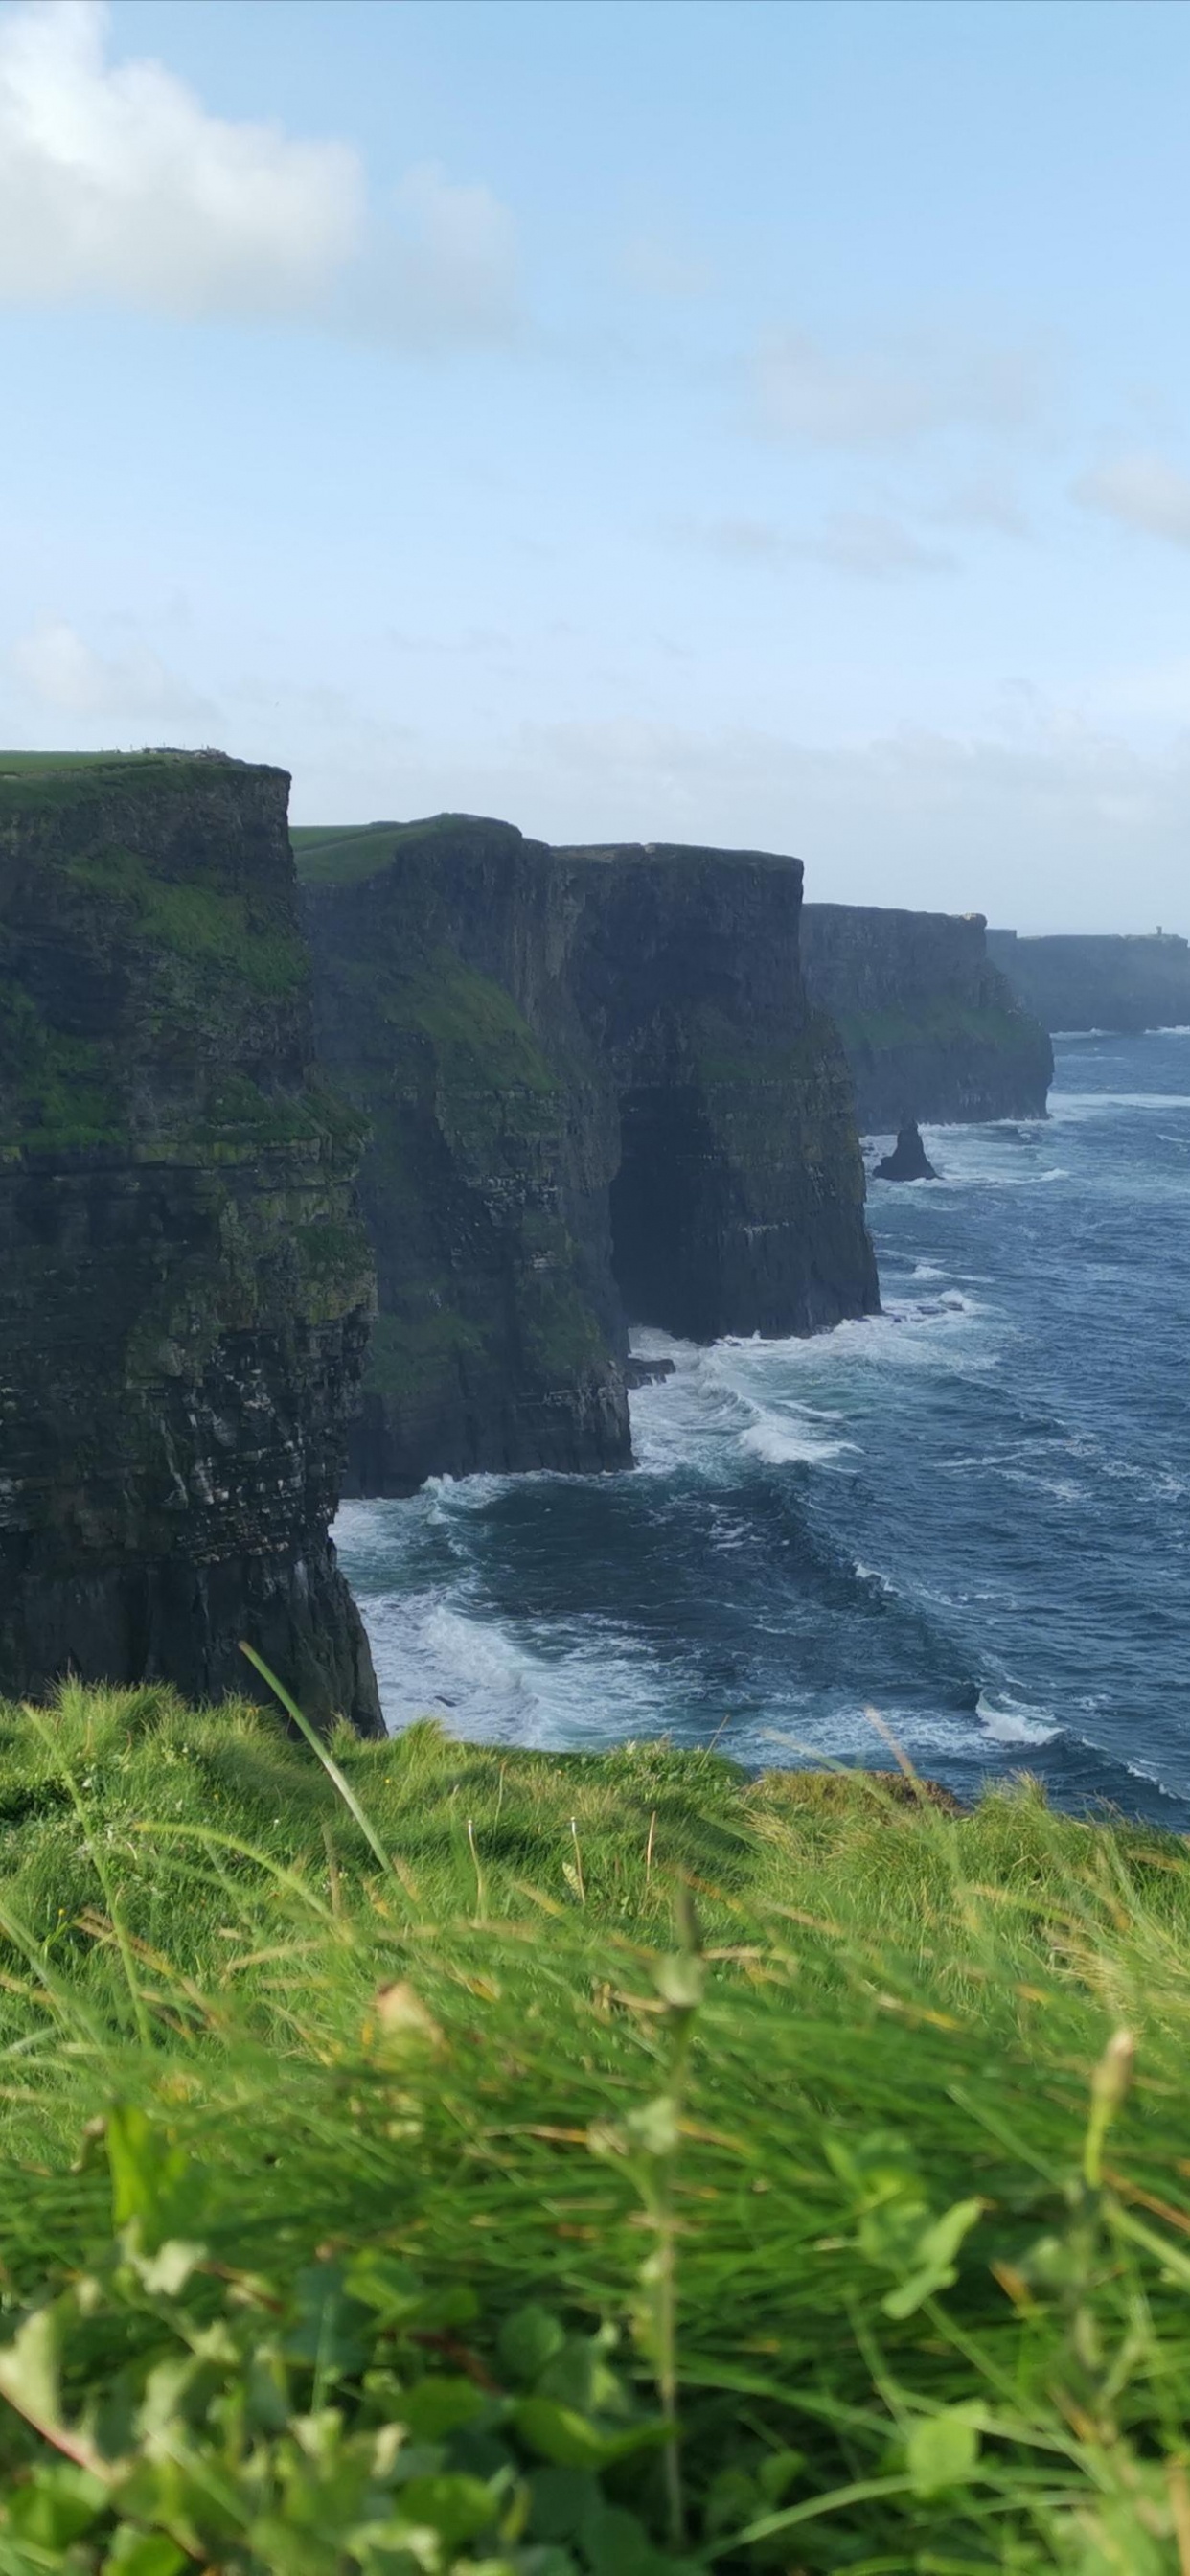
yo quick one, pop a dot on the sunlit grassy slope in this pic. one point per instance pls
(784, 2091)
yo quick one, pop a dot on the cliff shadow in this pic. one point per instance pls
(662, 1252)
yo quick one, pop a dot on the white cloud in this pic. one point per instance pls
(984, 501)
(869, 543)
(59, 671)
(891, 396)
(874, 545)
(115, 181)
(1145, 492)
(445, 271)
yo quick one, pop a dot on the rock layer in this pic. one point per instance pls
(930, 1027)
(596, 1089)
(1076, 982)
(184, 1280)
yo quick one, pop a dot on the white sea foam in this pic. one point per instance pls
(1074, 1108)
(872, 1574)
(1009, 1721)
(783, 1442)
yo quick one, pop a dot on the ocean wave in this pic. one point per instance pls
(880, 1582)
(1074, 1108)
(783, 1443)
(1009, 1721)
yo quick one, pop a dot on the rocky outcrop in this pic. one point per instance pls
(908, 1160)
(1076, 982)
(930, 1027)
(184, 1280)
(596, 1090)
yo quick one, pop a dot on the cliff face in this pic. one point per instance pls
(737, 1204)
(441, 1008)
(184, 1282)
(931, 1028)
(1098, 983)
(596, 1089)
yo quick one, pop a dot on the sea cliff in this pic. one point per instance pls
(931, 1028)
(184, 1282)
(1077, 982)
(596, 1090)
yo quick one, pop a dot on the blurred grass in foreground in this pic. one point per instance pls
(565, 2101)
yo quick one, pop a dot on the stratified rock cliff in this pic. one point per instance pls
(737, 1204)
(442, 1007)
(931, 1029)
(1076, 982)
(595, 1089)
(184, 1281)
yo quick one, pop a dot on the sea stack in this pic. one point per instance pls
(908, 1160)
(184, 1281)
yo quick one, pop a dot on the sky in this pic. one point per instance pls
(765, 425)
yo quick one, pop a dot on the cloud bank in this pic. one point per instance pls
(1144, 492)
(117, 185)
(115, 181)
(1061, 827)
(889, 396)
(58, 671)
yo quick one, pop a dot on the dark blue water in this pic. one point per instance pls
(969, 1513)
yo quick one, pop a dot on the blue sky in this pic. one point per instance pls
(767, 425)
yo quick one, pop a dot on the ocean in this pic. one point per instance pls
(967, 1515)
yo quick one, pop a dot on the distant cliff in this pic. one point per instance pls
(930, 1027)
(596, 1090)
(1076, 982)
(184, 1283)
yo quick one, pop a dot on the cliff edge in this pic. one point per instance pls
(931, 1028)
(597, 1091)
(184, 1282)
(1077, 981)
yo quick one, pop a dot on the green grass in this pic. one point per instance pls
(566, 2099)
(344, 854)
(939, 1021)
(31, 764)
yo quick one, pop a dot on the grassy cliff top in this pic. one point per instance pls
(344, 854)
(31, 780)
(496, 2113)
(675, 853)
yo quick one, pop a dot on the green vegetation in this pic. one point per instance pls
(207, 924)
(937, 1020)
(441, 2158)
(344, 854)
(410, 1356)
(55, 1090)
(34, 782)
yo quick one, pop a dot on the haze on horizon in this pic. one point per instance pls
(763, 425)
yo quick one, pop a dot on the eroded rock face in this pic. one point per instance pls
(596, 1089)
(737, 1204)
(1083, 982)
(930, 1027)
(184, 1280)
